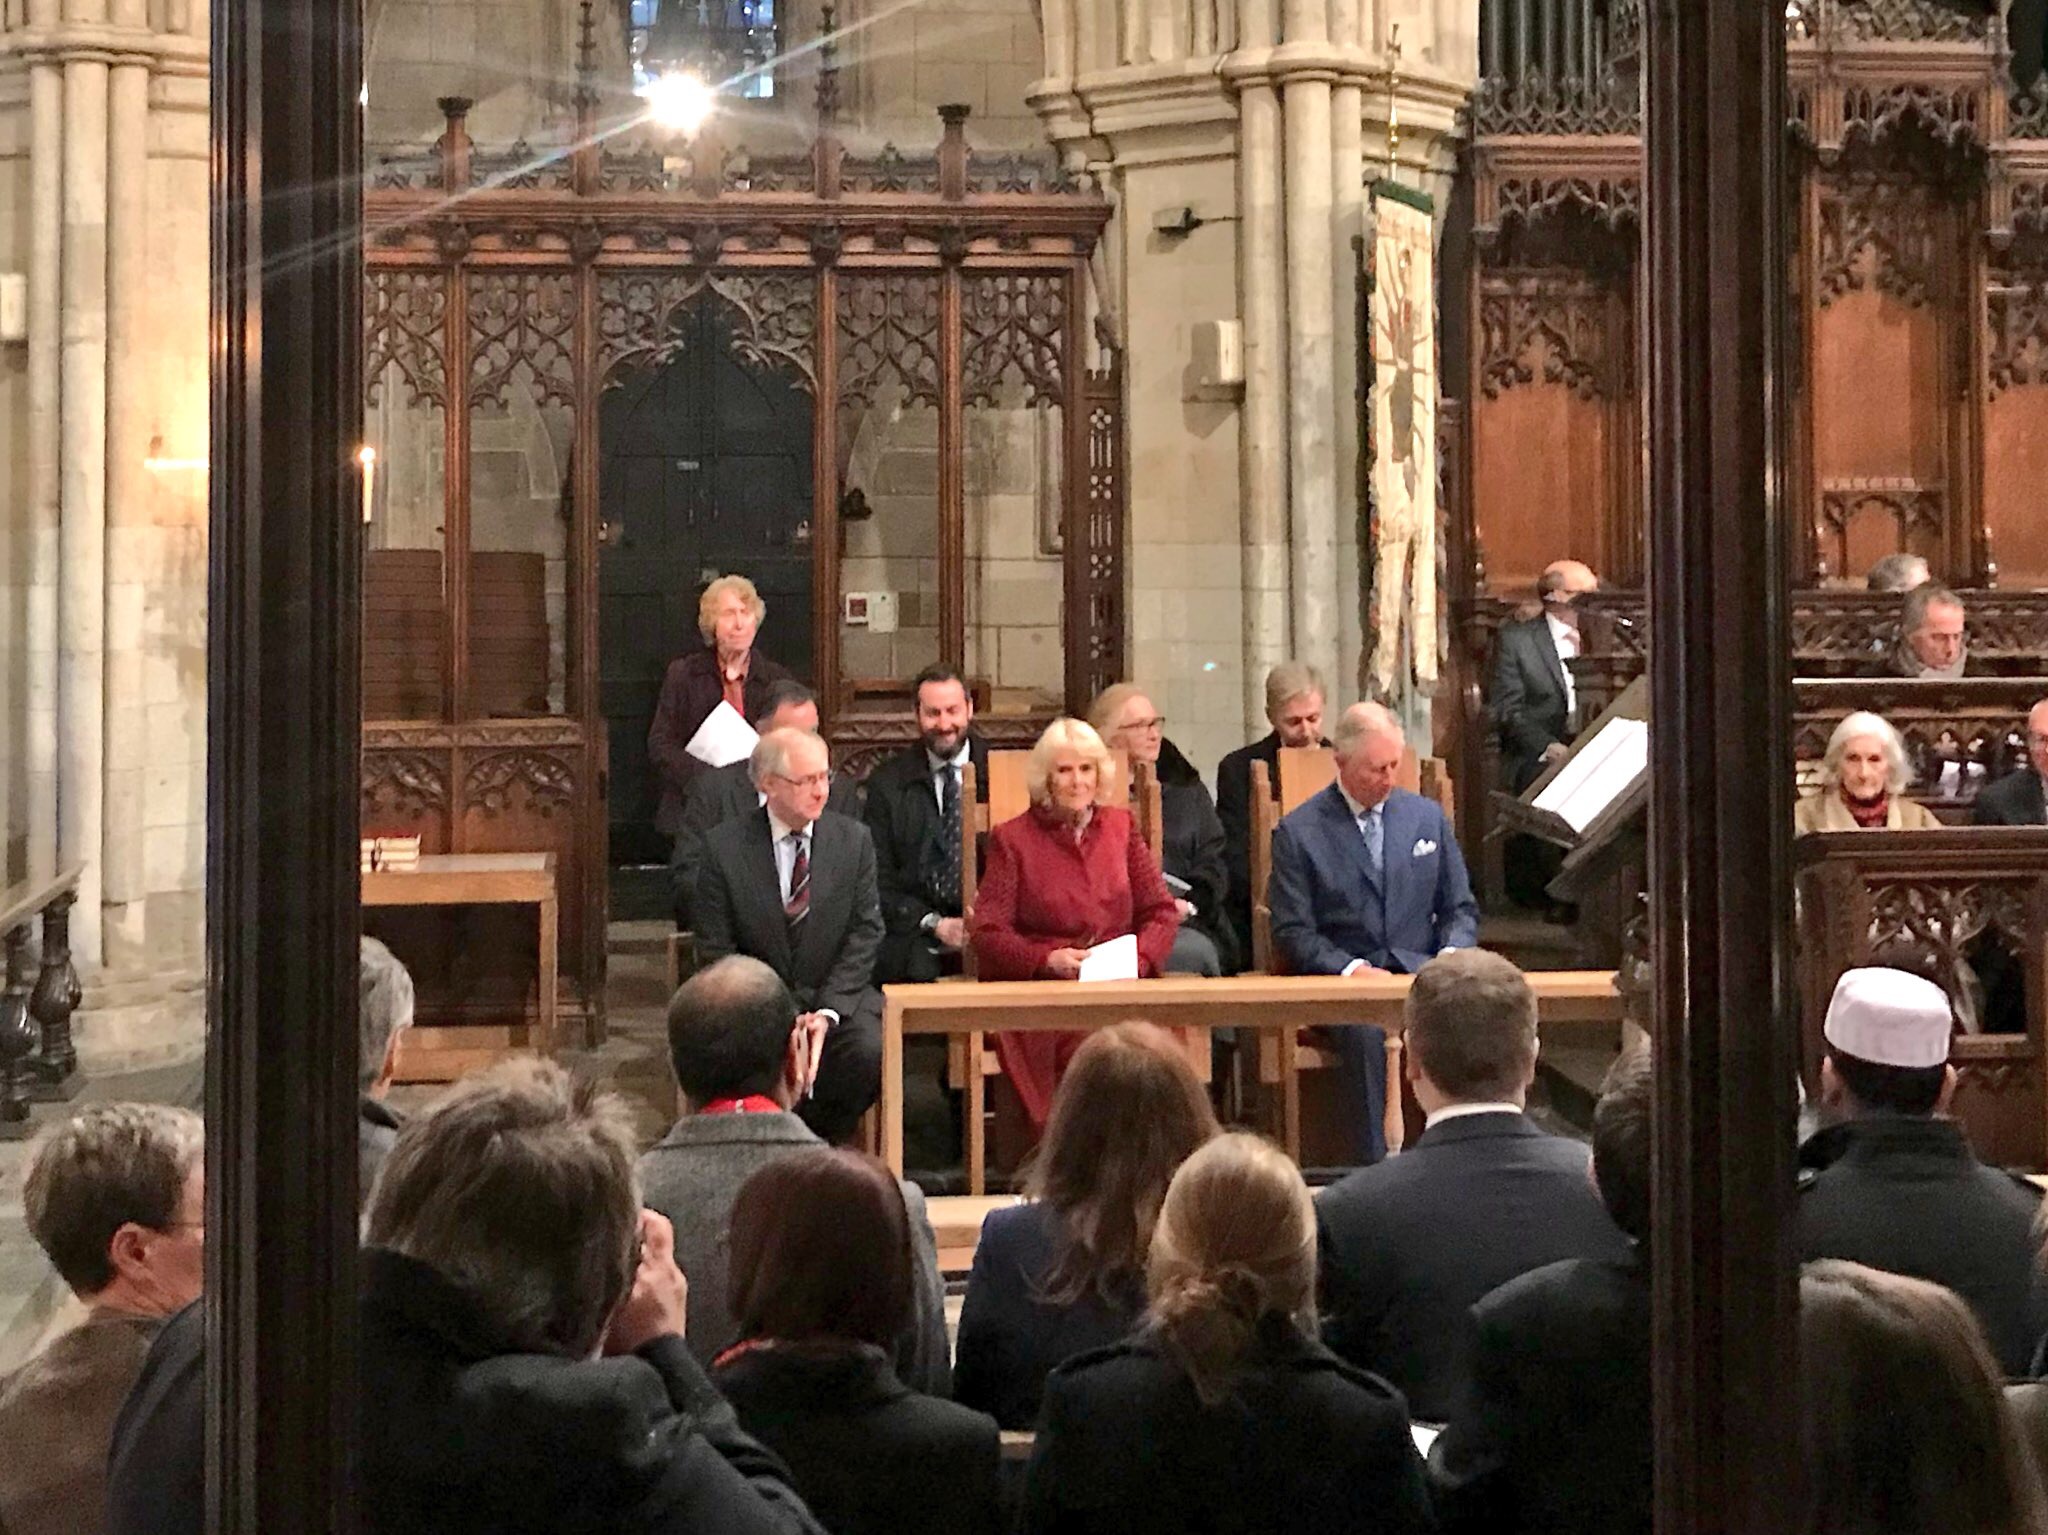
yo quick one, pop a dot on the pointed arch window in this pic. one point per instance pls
(737, 43)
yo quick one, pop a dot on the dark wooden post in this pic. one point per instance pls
(56, 997)
(1726, 1042)
(283, 679)
(953, 151)
(454, 145)
(17, 1038)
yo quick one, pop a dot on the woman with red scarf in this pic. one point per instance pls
(1863, 776)
(1064, 876)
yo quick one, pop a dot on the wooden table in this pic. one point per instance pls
(1284, 1003)
(474, 879)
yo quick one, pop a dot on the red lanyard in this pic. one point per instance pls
(753, 1103)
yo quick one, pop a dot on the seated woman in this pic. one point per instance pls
(1193, 850)
(1065, 1272)
(1059, 879)
(1904, 1422)
(1223, 1402)
(1863, 777)
(726, 670)
(820, 1284)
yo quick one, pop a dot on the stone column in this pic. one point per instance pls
(1347, 197)
(45, 453)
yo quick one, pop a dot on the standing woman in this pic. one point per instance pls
(726, 670)
(1223, 1411)
(1066, 875)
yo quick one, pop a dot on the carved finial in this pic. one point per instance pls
(1393, 97)
(586, 55)
(828, 67)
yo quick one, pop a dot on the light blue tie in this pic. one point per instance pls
(1375, 836)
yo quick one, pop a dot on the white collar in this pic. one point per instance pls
(1559, 629)
(779, 830)
(957, 760)
(1466, 1110)
(1358, 811)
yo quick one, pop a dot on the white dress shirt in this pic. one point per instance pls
(936, 765)
(1566, 639)
(785, 865)
(1466, 1110)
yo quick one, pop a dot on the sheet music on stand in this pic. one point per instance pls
(1606, 765)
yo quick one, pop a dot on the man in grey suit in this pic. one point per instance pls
(741, 1059)
(793, 885)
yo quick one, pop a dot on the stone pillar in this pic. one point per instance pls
(1347, 197)
(45, 453)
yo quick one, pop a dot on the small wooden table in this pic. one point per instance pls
(1285, 1003)
(474, 879)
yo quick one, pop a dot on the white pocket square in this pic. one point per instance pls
(1423, 848)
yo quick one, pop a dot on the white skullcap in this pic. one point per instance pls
(1889, 1018)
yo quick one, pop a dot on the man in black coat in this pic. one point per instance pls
(1410, 1244)
(1294, 707)
(1893, 1184)
(914, 813)
(2019, 799)
(728, 793)
(1532, 701)
(1552, 1434)
(793, 885)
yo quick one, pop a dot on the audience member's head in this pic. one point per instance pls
(1236, 1244)
(1905, 1427)
(2037, 737)
(1562, 583)
(1898, 573)
(820, 1250)
(1127, 1114)
(1069, 768)
(793, 771)
(1294, 703)
(383, 1011)
(1369, 744)
(1471, 1031)
(117, 1197)
(518, 1189)
(730, 614)
(1124, 715)
(1887, 1033)
(787, 705)
(1865, 759)
(732, 1034)
(1621, 1142)
(1932, 627)
(945, 708)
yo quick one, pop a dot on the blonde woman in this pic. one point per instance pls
(1068, 874)
(1223, 1400)
(726, 670)
(1863, 778)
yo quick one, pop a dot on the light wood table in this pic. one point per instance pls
(1283, 1003)
(475, 879)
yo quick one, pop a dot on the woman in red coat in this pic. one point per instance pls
(1059, 879)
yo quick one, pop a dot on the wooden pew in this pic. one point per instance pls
(1977, 897)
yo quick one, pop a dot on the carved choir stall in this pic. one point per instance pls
(599, 375)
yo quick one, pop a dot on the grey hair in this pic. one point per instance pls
(1898, 771)
(383, 1008)
(1913, 611)
(770, 758)
(1291, 679)
(518, 1187)
(112, 1165)
(1362, 720)
(1899, 573)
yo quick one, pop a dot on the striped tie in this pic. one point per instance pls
(798, 905)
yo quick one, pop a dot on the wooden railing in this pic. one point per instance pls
(38, 1062)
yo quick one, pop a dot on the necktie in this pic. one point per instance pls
(1375, 837)
(945, 872)
(798, 905)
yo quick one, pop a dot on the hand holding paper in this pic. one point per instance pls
(1116, 960)
(723, 737)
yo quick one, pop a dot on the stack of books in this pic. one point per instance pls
(380, 853)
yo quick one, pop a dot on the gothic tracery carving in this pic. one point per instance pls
(406, 784)
(888, 336)
(403, 315)
(549, 782)
(1876, 231)
(1551, 326)
(1013, 331)
(523, 318)
(2016, 315)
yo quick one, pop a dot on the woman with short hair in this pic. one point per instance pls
(820, 1285)
(1863, 778)
(1223, 1409)
(1068, 874)
(1064, 1272)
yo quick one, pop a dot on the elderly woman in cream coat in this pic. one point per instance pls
(1863, 776)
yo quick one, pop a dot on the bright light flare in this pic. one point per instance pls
(680, 101)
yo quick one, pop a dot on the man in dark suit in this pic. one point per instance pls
(1409, 1246)
(793, 885)
(1552, 1436)
(728, 793)
(1294, 707)
(1368, 877)
(2019, 799)
(1892, 1183)
(1532, 702)
(915, 815)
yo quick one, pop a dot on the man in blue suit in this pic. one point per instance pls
(1367, 879)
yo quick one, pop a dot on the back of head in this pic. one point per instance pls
(820, 1248)
(728, 1030)
(112, 1165)
(1887, 1033)
(518, 1188)
(1905, 1426)
(1898, 573)
(384, 1007)
(1363, 721)
(1472, 1027)
(1128, 1112)
(1235, 1247)
(1621, 1142)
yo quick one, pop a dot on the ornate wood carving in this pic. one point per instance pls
(888, 337)
(1919, 513)
(407, 784)
(1948, 118)
(404, 312)
(524, 317)
(775, 320)
(1539, 104)
(1905, 21)
(1612, 201)
(1013, 331)
(773, 314)
(1947, 915)
(2016, 317)
(1547, 325)
(1101, 625)
(1876, 231)
(549, 781)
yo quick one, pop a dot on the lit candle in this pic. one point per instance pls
(367, 457)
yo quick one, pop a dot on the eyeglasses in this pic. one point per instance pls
(1157, 722)
(808, 781)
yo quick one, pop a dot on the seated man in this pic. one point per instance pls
(1368, 878)
(914, 813)
(1408, 1247)
(1294, 706)
(1892, 1184)
(1553, 1435)
(522, 1356)
(116, 1198)
(740, 1060)
(383, 1011)
(1933, 636)
(793, 885)
(2020, 798)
